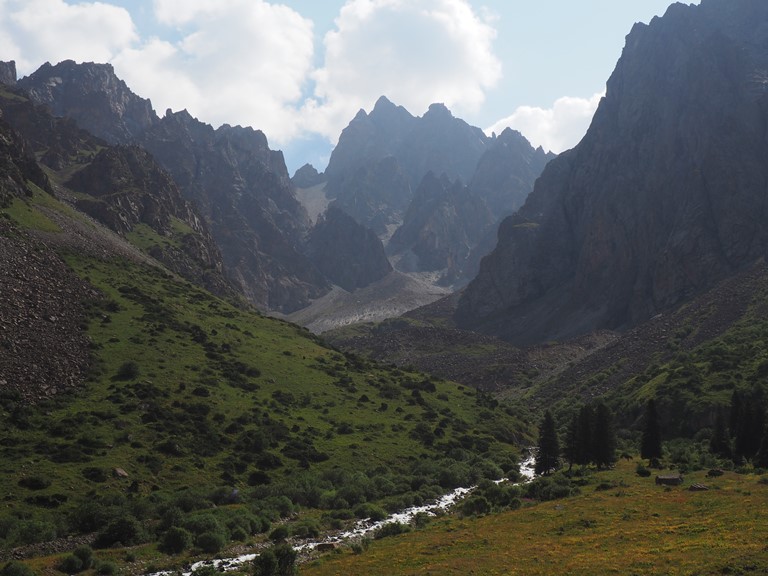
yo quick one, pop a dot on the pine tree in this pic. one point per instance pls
(761, 459)
(720, 442)
(604, 437)
(749, 426)
(548, 455)
(586, 436)
(650, 443)
(571, 449)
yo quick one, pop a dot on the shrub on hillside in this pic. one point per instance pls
(210, 542)
(15, 568)
(175, 540)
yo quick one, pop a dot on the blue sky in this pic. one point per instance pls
(300, 69)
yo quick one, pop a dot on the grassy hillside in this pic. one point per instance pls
(192, 403)
(620, 523)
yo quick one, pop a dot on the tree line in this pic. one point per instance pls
(590, 438)
(739, 434)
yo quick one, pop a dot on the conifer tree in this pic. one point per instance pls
(650, 443)
(548, 455)
(571, 449)
(586, 435)
(604, 437)
(720, 442)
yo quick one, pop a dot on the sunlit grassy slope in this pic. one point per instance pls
(189, 392)
(619, 524)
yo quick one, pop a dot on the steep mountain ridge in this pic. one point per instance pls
(663, 197)
(240, 186)
(121, 187)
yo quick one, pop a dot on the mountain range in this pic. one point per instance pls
(142, 388)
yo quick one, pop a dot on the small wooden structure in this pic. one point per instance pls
(675, 480)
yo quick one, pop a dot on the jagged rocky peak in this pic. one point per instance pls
(94, 97)
(8, 73)
(506, 172)
(663, 197)
(438, 111)
(307, 176)
(349, 254)
(444, 221)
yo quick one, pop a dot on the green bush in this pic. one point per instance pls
(125, 531)
(371, 511)
(391, 529)
(35, 482)
(14, 568)
(475, 505)
(128, 371)
(175, 540)
(106, 568)
(70, 564)
(277, 561)
(279, 533)
(86, 556)
(210, 542)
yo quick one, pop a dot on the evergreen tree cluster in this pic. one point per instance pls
(590, 439)
(747, 438)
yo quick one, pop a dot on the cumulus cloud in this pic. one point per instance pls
(415, 52)
(238, 62)
(251, 62)
(36, 31)
(556, 129)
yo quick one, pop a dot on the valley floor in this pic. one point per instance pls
(620, 524)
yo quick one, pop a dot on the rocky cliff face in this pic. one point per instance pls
(349, 254)
(506, 172)
(43, 350)
(444, 221)
(17, 165)
(8, 73)
(383, 157)
(665, 195)
(242, 188)
(128, 188)
(307, 176)
(239, 185)
(93, 96)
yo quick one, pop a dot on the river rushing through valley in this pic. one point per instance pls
(362, 529)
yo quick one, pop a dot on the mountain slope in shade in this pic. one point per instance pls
(665, 195)
(349, 254)
(240, 186)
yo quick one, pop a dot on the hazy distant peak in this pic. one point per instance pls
(438, 110)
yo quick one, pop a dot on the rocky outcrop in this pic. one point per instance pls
(43, 349)
(307, 176)
(93, 96)
(350, 255)
(444, 221)
(382, 157)
(506, 172)
(8, 73)
(128, 188)
(665, 195)
(376, 195)
(58, 142)
(17, 166)
(237, 183)
(243, 190)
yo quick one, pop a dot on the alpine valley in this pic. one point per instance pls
(203, 357)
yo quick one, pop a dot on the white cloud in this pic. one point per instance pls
(36, 31)
(556, 129)
(250, 62)
(237, 62)
(415, 52)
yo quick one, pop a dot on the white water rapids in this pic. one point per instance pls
(363, 527)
